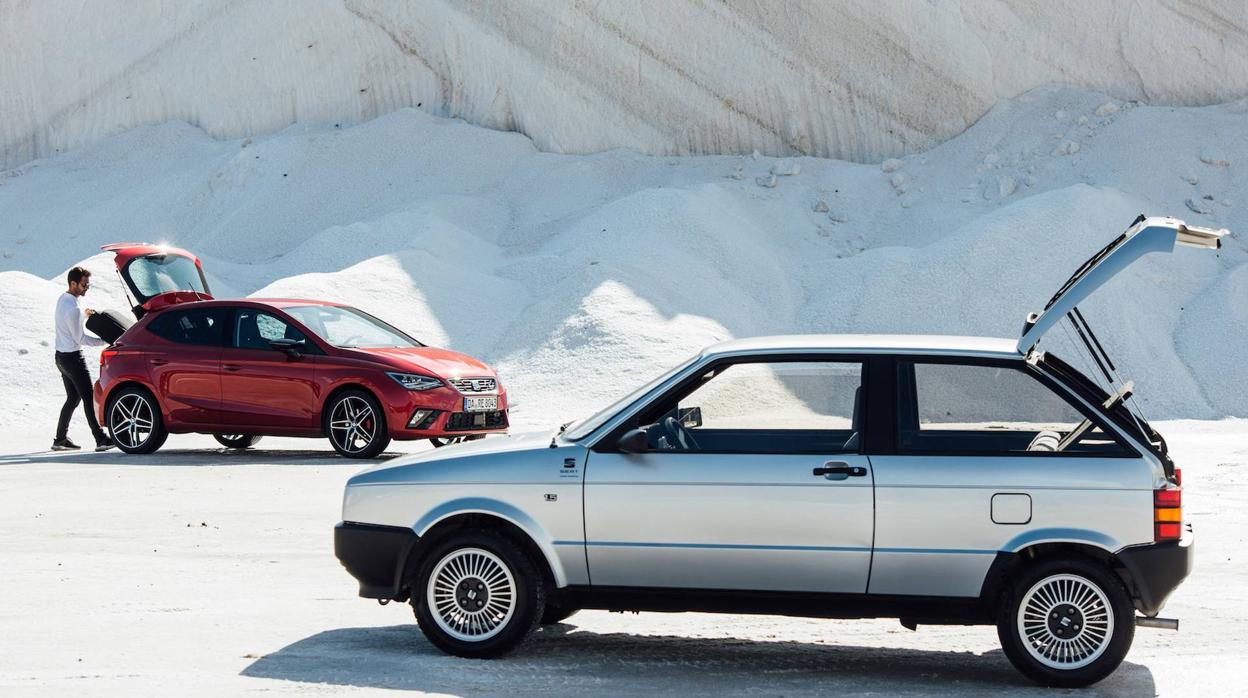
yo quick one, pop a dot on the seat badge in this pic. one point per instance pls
(569, 469)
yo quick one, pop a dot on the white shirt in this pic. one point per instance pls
(70, 334)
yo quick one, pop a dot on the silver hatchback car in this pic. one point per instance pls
(938, 480)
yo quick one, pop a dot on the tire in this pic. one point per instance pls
(237, 441)
(134, 421)
(1078, 616)
(356, 425)
(556, 613)
(439, 442)
(452, 630)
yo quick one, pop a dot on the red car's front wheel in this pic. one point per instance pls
(356, 425)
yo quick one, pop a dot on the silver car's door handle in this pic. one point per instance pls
(839, 470)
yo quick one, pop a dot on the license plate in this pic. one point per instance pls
(481, 404)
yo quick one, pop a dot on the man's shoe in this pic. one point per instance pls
(65, 445)
(104, 443)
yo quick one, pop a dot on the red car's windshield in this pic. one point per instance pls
(349, 328)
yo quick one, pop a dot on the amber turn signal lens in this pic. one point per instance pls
(1169, 515)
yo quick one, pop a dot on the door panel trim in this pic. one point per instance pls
(716, 546)
(814, 548)
(711, 483)
(923, 609)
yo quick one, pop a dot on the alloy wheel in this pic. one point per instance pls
(1065, 621)
(352, 424)
(471, 594)
(131, 420)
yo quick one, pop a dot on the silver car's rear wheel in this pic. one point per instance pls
(1065, 621)
(472, 594)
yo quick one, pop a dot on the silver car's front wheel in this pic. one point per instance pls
(1067, 622)
(477, 593)
(472, 594)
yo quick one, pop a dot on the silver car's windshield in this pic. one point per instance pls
(579, 430)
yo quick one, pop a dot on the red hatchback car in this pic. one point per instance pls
(239, 369)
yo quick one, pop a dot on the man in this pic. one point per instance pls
(70, 337)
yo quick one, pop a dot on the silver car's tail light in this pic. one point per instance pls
(1168, 513)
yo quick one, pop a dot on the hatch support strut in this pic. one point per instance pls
(1090, 342)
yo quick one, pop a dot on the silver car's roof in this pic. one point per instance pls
(989, 347)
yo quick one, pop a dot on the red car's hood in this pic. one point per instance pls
(443, 363)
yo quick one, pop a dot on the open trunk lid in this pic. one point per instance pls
(1114, 394)
(1144, 236)
(157, 276)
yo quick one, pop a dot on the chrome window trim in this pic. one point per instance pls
(592, 439)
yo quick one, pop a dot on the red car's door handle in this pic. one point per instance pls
(231, 367)
(159, 362)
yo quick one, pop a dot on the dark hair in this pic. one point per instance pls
(77, 274)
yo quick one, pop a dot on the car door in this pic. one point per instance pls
(262, 386)
(976, 470)
(754, 480)
(186, 366)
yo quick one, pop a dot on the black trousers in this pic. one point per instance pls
(73, 370)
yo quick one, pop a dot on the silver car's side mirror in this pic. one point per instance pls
(634, 441)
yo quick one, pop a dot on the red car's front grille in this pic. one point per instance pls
(474, 385)
(470, 421)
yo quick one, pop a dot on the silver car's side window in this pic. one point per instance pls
(765, 407)
(963, 408)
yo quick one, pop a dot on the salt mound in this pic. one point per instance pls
(678, 78)
(580, 277)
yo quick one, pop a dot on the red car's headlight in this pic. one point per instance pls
(415, 381)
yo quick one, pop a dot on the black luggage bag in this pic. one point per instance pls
(108, 325)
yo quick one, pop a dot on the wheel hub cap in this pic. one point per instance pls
(1065, 621)
(131, 421)
(352, 424)
(471, 594)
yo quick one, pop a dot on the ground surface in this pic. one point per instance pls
(202, 572)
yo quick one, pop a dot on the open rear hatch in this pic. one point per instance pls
(157, 276)
(1146, 235)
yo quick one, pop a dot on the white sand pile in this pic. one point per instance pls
(858, 79)
(581, 276)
